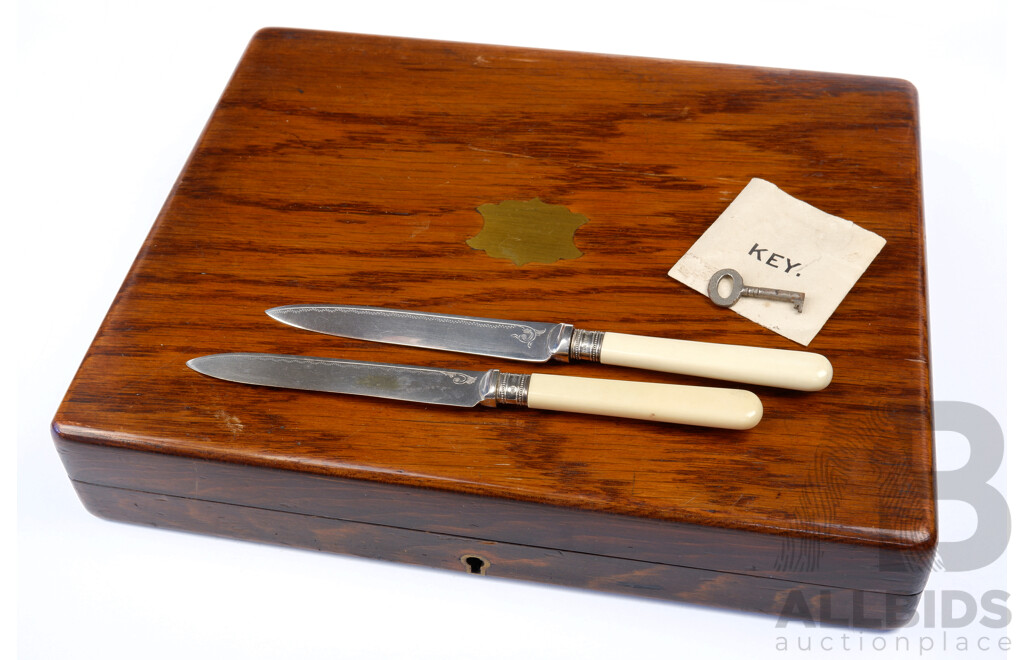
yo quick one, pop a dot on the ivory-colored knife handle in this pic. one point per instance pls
(658, 402)
(794, 370)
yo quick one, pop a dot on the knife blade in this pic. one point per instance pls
(677, 404)
(539, 342)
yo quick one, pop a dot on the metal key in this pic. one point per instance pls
(739, 291)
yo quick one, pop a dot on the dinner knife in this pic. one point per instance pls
(539, 342)
(660, 402)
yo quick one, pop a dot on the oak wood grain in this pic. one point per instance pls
(348, 169)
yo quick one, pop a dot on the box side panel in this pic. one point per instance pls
(847, 607)
(806, 560)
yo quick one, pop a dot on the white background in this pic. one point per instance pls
(102, 103)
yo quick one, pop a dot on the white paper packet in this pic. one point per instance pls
(777, 241)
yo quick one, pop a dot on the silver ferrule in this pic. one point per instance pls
(559, 342)
(512, 389)
(585, 346)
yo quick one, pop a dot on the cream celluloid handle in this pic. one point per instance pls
(658, 402)
(794, 370)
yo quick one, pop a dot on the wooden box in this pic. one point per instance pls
(349, 169)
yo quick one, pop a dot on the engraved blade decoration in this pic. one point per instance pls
(512, 340)
(390, 381)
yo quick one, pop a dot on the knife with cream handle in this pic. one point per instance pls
(539, 342)
(657, 402)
